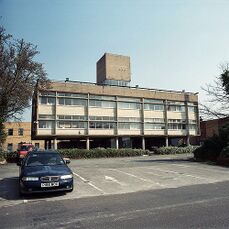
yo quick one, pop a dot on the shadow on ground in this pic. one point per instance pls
(9, 190)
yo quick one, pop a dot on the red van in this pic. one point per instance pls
(23, 149)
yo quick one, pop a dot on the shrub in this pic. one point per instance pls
(223, 158)
(210, 150)
(101, 153)
(174, 150)
(8, 156)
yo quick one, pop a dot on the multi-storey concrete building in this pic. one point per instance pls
(110, 113)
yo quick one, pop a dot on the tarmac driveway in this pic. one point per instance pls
(95, 177)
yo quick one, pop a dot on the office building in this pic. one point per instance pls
(111, 113)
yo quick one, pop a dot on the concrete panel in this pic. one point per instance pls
(74, 132)
(101, 111)
(129, 113)
(101, 132)
(193, 132)
(155, 132)
(177, 132)
(192, 115)
(46, 109)
(176, 115)
(70, 110)
(45, 132)
(153, 114)
(129, 132)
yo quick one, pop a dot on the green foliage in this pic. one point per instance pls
(212, 147)
(101, 153)
(2, 132)
(225, 153)
(225, 80)
(174, 150)
(8, 156)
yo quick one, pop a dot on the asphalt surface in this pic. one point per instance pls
(142, 192)
(197, 206)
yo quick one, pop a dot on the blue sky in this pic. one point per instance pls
(172, 44)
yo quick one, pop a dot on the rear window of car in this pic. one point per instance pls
(42, 159)
(26, 148)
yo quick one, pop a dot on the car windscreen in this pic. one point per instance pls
(26, 148)
(39, 159)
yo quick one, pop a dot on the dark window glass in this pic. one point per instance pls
(20, 131)
(10, 147)
(10, 132)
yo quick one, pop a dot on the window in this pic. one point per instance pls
(20, 131)
(105, 104)
(155, 120)
(192, 127)
(101, 125)
(176, 108)
(104, 118)
(41, 116)
(153, 101)
(46, 124)
(10, 132)
(48, 93)
(72, 95)
(129, 119)
(10, 147)
(192, 109)
(129, 126)
(126, 105)
(99, 97)
(176, 126)
(154, 107)
(72, 124)
(47, 100)
(116, 82)
(154, 126)
(74, 102)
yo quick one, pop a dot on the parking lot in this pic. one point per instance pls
(96, 177)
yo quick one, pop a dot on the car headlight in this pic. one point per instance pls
(30, 178)
(66, 177)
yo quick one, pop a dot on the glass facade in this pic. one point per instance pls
(102, 121)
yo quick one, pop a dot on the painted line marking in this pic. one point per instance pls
(180, 173)
(114, 180)
(183, 166)
(137, 177)
(89, 183)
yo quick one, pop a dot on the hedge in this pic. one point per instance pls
(8, 156)
(101, 153)
(174, 150)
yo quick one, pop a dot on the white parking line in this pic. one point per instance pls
(89, 183)
(140, 178)
(180, 173)
(114, 180)
(183, 166)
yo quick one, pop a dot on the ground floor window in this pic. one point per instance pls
(10, 147)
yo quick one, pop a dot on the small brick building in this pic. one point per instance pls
(18, 132)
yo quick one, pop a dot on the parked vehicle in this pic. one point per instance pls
(23, 149)
(44, 171)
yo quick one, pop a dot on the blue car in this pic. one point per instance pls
(44, 171)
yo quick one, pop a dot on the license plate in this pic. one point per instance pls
(52, 184)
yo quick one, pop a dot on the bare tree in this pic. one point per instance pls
(19, 74)
(217, 104)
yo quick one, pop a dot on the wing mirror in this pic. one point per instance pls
(67, 160)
